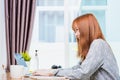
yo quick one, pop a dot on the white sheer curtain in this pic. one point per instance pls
(72, 12)
(74, 7)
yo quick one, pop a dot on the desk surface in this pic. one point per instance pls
(7, 77)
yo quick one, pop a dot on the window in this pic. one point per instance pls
(50, 2)
(51, 26)
(50, 20)
(100, 15)
(53, 36)
(94, 2)
(98, 8)
(52, 31)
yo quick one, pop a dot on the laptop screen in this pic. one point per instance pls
(20, 60)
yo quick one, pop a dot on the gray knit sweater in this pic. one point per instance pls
(100, 64)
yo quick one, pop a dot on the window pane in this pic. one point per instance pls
(100, 15)
(94, 2)
(51, 26)
(50, 2)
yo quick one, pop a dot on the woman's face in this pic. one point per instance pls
(77, 33)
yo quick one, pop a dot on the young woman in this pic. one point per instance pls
(98, 61)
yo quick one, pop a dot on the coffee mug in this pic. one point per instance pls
(16, 71)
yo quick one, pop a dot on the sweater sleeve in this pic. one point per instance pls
(93, 61)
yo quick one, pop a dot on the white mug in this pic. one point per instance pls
(16, 71)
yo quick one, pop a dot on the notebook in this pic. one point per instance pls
(47, 78)
(20, 60)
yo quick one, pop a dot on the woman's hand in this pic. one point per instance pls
(44, 72)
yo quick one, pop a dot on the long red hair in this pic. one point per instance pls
(89, 30)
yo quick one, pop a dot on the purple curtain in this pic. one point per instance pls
(19, 18)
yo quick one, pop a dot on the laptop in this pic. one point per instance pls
(20, 60)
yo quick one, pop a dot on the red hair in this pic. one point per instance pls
(89, 30)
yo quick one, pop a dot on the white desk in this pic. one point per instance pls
(7, 77)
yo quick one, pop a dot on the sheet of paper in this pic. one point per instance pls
(48, 78)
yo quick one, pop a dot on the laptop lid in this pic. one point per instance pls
(20, 60)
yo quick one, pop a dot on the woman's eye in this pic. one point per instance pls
(76, 30)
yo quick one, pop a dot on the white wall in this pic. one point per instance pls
(113, 27)
(2, 35)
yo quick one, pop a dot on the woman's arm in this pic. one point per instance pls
(93, 61)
